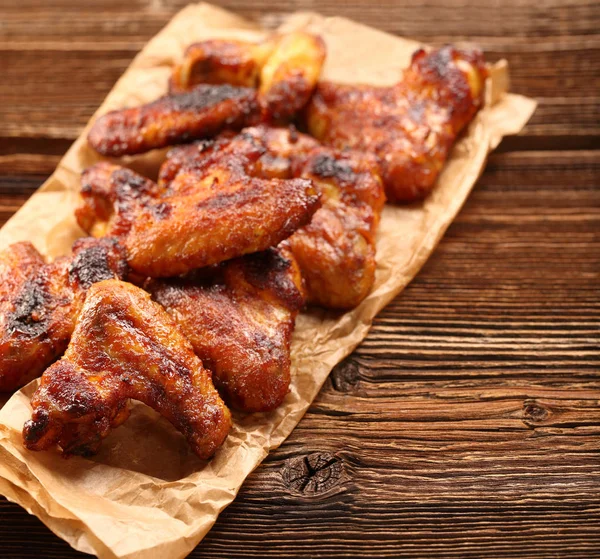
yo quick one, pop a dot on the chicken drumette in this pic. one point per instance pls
(239, 319)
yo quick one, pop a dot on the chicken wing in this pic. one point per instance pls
(202, 112)
(214, 209)
(39, 303)
(290, 75)
(336, 251)
(411, 126)
(284, 68)
(239, 319)
(124, 346)
(219, 85)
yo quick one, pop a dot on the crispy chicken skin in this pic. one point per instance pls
(215, 208)
(239, 319)
(124, 346)
(112, 196)
(39, 303)
(411, 126)
(202, 112)
(336, 251)
(285, 69)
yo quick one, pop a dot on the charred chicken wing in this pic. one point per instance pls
(39, 303)
(124, 346)
(239, 319)
(336, 250)
(200, 113)
(411, 126)
(219, 85)
(285, 69)
(215, 208)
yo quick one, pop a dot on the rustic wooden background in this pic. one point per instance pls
(468, 423)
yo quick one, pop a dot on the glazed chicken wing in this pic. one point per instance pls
(239, 320)
(336, 250)
(284, 69)
(220, 61)
(411, 126)
(124, 346)
(202, 112)
(215, 208)
(39, 303)
(220, 84)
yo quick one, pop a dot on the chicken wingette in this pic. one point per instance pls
(219, 85)
(215, 208)
(200, 113)
(410, 126)
(239, 319)
(124, 346)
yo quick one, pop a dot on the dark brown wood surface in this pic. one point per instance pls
(468, 422)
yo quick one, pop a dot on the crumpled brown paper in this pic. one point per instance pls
(146, 494)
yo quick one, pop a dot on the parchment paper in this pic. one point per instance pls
(145, 494)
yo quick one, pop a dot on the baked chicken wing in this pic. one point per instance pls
(200, 113)
(284, 69)
(39, 303)
(239, 319)
(220, 84)
(215, 208)
(336, 250)
(411, 126)
(124, 346)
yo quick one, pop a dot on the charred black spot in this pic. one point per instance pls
(129, 184)
(29, 317)
(262, 266)
(326, 166)
(93, 263)
(224, 199)
(440, 61)
(269, 270)
(203, 96)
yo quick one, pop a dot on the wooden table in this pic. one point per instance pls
(468, 422)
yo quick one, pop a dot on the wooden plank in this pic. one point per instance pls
(553, 49)
(136, 20)
(467, 424)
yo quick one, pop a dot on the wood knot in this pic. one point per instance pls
(345, 376)
(313, 474)
(534, 413)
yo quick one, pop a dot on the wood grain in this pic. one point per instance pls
(468, 422)
(79, 51)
